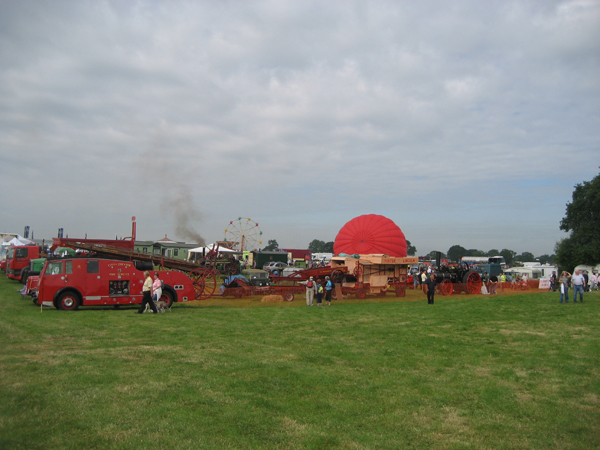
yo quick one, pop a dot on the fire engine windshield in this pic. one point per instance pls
(54, 268)
(11, 253)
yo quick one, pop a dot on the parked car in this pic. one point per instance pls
(274, 265)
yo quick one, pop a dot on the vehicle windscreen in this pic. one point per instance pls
(54, 268)
(11, 253)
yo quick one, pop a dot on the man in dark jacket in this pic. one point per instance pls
(430, 283)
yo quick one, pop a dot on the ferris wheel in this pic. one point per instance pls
(243, 234)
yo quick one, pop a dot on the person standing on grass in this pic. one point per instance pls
(578, 283)
(430, 283)
(564, 286)
(492, 284)
(156, 288)
(593, 281)
(423, 280)
(553, 281)
(147, 295)
(319, 293)
(586, 285)
(311, 288)
(329, 287)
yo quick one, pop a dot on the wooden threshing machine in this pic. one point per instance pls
(373, 274)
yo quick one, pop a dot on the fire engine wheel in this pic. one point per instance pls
(288, 296)
(361, 293)
(446, 287)
(68, 301)
(400, 292)
(337, 276)
(204, 281)
(24, 276)
(167, 297)
(473, 283)
(230, 268)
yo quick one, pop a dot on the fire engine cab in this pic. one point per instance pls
(17, 261)
(69, 283)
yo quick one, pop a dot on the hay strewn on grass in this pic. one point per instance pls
(272, 298)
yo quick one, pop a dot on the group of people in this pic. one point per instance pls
(151, 292)
(316, 288)
(426, 278)
(580, 282)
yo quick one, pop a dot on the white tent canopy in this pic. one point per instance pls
(19, 240)
(209, 248)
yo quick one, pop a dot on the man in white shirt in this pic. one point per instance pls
(578, 283)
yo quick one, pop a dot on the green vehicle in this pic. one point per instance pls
(257, 277)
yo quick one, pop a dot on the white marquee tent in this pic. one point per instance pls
(205, 250)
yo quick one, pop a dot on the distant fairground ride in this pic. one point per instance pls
(243, 234)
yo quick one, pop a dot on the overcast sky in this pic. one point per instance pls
(465, 122)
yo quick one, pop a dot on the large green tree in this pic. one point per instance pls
(582, 220)
(509, 255)
(456, 252)
(546, 259)
(318, 246)
(411, 250)
(525, 257)
(272, 245)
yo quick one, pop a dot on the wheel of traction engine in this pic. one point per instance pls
(473, 283)
(400, 292)
(230, 268)
(361, 293)
(288, 296)
(446, 287)
(204, 282)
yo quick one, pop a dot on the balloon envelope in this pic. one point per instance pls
(370, 233)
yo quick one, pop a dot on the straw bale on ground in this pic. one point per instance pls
(272, 298)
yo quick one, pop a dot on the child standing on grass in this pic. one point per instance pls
(319, 293)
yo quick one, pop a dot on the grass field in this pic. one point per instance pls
(479, 372)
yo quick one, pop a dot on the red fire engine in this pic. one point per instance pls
(17, 261)
(69, 283)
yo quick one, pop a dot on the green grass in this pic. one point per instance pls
(508, 372)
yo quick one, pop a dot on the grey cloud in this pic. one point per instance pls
(374, 106)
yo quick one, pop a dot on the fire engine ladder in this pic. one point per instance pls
(126, 254)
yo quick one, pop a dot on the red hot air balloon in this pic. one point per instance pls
(370, 233)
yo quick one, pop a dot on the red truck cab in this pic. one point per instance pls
(68, 283)
(17, 261)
